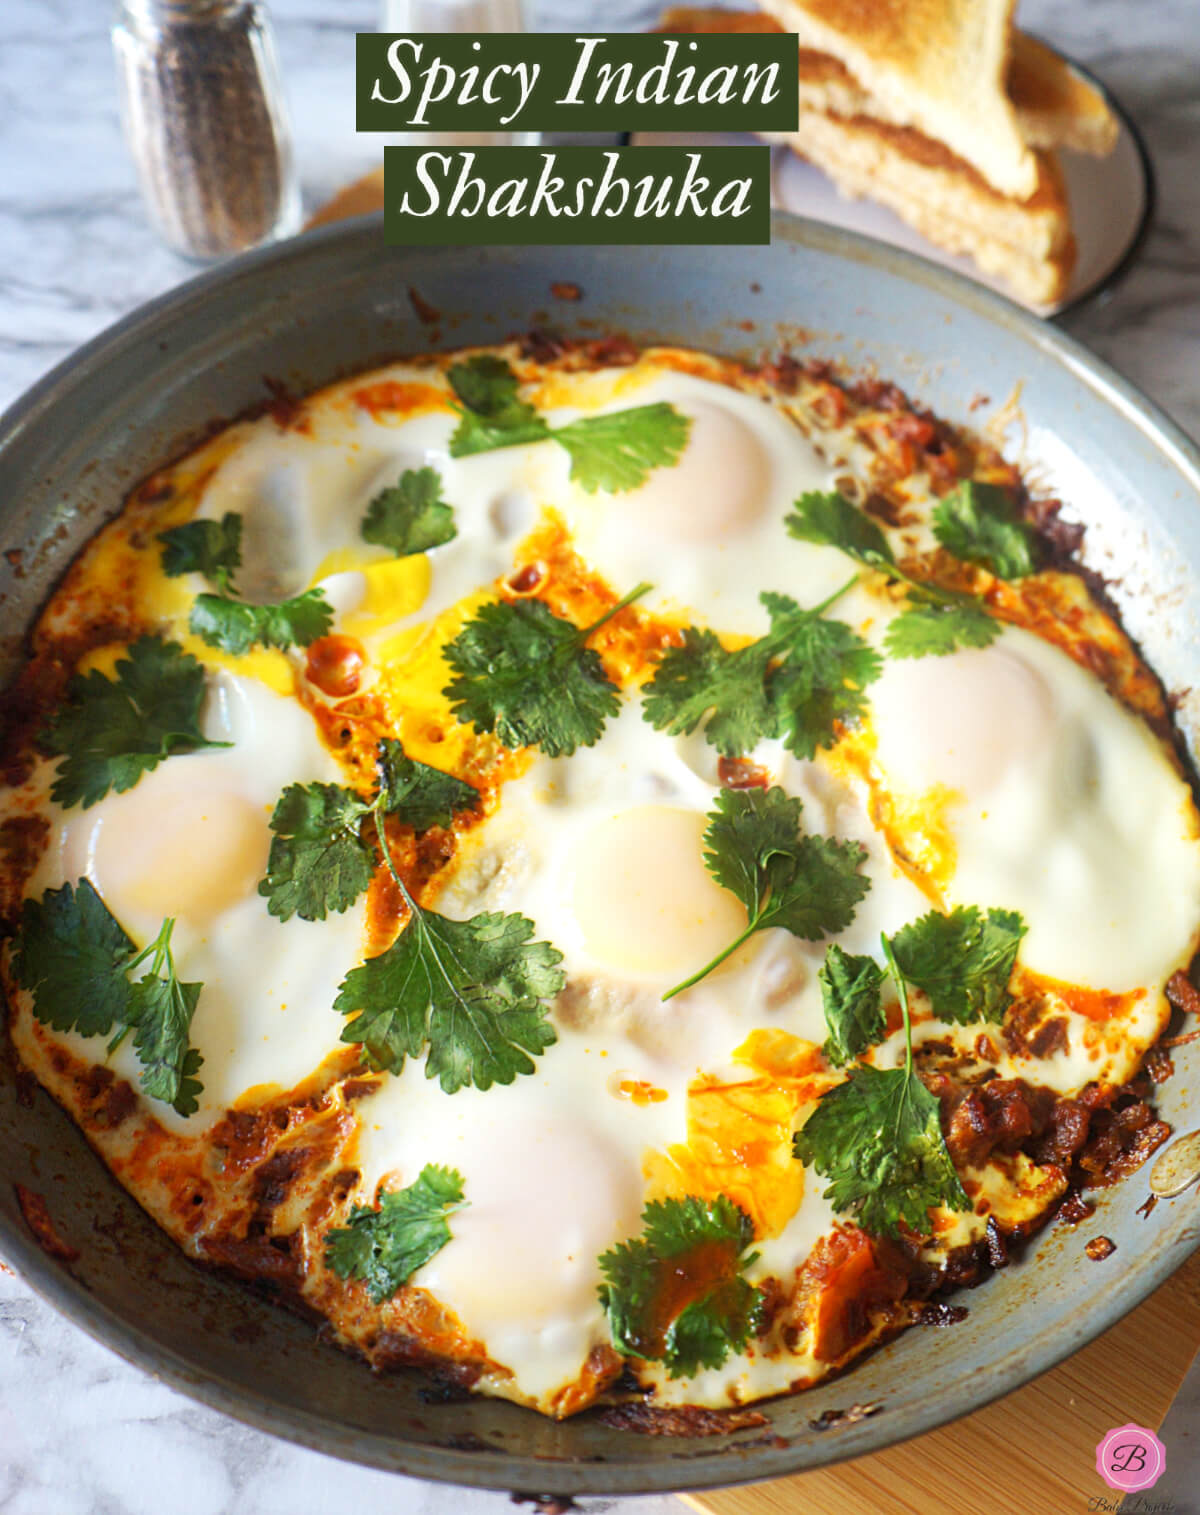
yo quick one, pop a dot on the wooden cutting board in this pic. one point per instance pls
(1030, 1453)
(357, 199)
(1131, 1373)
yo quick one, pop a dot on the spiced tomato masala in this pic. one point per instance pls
(607, 875)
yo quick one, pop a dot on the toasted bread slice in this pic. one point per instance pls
(1024, 239)
(937, 65)
(1054, 106)
(695, 19)
(1027, 243)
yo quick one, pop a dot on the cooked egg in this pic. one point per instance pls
(707, 533)
(1062, 806)
(552, 1179)
(302, 504)
(190, 841)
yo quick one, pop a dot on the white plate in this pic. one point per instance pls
(1111, 202)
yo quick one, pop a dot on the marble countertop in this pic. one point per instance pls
(81, 1432)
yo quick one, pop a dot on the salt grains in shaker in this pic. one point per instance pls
(204, 119)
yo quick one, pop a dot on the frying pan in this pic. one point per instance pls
(338, 301)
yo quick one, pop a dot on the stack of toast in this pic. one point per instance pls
(944, 112)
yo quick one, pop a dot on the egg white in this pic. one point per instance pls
(191, 840)
(1066, 807)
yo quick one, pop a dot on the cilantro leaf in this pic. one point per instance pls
(829, 520)
(809, 885)
(411, 516)
(963, 961)
(701, 679)
(616, 452)
(213, 548)
(235, 625)
(850, 996)
(385, 1247)
(937, 621)
(821, 684)
(109, 732)
(486, 384)
(659, 1309)
(878, 1139)
(319, 861)
(470, 991)
(937, 627)
(418, 795)
(160, 1011)
(979, 524)
(528, 675)
(491, 415)
(75, 959)
(796, 682)
(72, 954)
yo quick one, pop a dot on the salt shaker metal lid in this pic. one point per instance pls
(203, 115)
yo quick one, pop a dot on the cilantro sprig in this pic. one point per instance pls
(614, 452)
(677, 1293)
(109, 731)
(214, 549)
(385, 1247)
(491, 413)
(235, 626)
(878, 1138)
(937, 621)
(798, 682)
(472, 993)
(320, 861)
(962, 960)
(980, 524)
(809, 885)
(160, 1014)
(76, 960)
(411, 516)
(529, 676)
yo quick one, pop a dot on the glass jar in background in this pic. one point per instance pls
(411, 16)
(203, 114)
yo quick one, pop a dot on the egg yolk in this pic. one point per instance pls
(643, 899)
(960, 722)
(189, 853)
(719, 486)
(546, 1199)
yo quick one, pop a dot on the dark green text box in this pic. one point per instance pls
(568, 81)
(497, 196)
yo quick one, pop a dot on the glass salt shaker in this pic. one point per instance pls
(203, 115)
